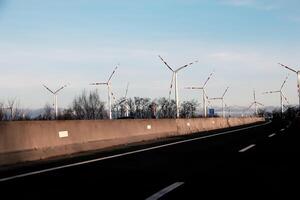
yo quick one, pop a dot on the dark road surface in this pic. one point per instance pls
(254, 162)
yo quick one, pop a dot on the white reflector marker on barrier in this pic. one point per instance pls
(63, 134)
(149, 127)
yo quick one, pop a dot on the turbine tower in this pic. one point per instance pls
(204, 96)
(55, 94)
(125, 102)
(255, 103)
(282, 96)
(174, 77)
(109, 92)
(298, 79)
(222, 99)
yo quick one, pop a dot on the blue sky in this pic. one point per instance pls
(78, 42)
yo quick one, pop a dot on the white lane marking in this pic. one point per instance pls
(282, 129)
(271, 135)
(165, 191)
(247, 148)
(127, 153)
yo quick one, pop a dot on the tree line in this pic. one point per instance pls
(89, 106)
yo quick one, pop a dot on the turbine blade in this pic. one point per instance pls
(260, 104)
(250, 106)
(171, 85)
(122, 101)
(98, 83)
(284, 97)
(215, 98)
(60, 89)
(48, 89)
(194, 88)
(112, 74)
(184, 66)
(270, 92)
(165, 63)
(208, 103)
(284, 82)
(207, 79)
(205, 94)
(126, 90)
(225, 92)
(287, 67)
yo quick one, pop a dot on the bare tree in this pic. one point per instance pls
(142, 107)
(47, 113)
(188, 109)
(67, 114)
(121, 108)
(14, 111)
(2, 112)
(89, 106)
(10, 108)
(166, 108)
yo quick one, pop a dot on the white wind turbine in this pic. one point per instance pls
(298, 79)
(204, 96)
(282, 96)
(55, 94)
(255, 103)
(109, 92)
(222, 99)
(174, 76)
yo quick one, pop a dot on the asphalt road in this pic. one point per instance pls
(248, 162)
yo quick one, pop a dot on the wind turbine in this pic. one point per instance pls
(204, 96)
(298, 79)
(255, 103)
(109, 92)
(280, 92)
(55, 94)
(222, 99)
(174, 77)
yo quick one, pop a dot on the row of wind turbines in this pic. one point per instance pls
(282, 97)
(174, 81)
(205, 98)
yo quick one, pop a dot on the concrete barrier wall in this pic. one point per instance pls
(32, 140)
